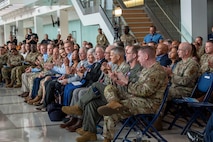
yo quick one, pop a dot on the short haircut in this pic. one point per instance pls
(119, 50)
(92, 51)
(90, 44)
(135, 49)
(200, 37)
(211, 41)
(101, 47)
(149, 50)
(69, 42)
(152, 26)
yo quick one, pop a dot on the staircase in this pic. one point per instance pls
(138, 21)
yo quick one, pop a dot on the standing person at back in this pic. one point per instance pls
(210, 36)
(153, 36)
(31, 37)
(101, 39)
(127, 38)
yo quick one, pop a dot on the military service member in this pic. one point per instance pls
(101, 39)
(184, 75)
(3, 59)
(144, 95)
(127, 38)
(14, 60)
(206, 59)
(17, 71)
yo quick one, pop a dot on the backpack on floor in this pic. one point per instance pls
(55, 113)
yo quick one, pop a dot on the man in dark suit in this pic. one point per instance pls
(162, 55)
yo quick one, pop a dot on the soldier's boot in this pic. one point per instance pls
(106, 140)
(7, 81)
(74, 110)
(88, 136)
(17, 86)
(158, 123)
(18, 83)
(11, 84)
(80, 131)
(111, 108)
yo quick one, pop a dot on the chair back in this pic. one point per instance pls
(205, 84)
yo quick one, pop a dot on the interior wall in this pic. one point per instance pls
(210, 14)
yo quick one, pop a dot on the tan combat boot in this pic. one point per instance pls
(88, 136)
(7, 82)
(106, 140)
(111, 108)
(17, 86)
(72, 110)
(11, 84)
(80, 131)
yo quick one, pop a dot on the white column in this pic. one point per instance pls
(6, 33)
(20, 31)
(193, 19)
(64, 26)
(2, 35)
(38, 26)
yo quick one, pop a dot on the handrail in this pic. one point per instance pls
(178, 30)
(106, 19)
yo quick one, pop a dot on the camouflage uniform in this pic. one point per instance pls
(17, 71)
(91, 101)
(184, 78)
(204, 66)
(128, 39)
(102, 40)
(200, 51)
(144, 96)
(27, 78)
(3, 61)
(14, 60)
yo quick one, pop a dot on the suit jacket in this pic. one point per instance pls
(94, 73)
(164, 60)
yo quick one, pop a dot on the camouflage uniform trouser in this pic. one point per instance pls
(178, 92)
(17, 72)
(134, 105)
(6, 72)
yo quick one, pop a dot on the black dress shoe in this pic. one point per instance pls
(195, 136)
(71, 122)
(77, 125)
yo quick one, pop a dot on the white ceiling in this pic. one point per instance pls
(8, 6)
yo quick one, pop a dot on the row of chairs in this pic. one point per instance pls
(195, 109)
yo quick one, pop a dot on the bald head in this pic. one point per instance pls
(161, 49)
(185, 50)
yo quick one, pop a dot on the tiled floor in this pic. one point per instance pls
(20, 122)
